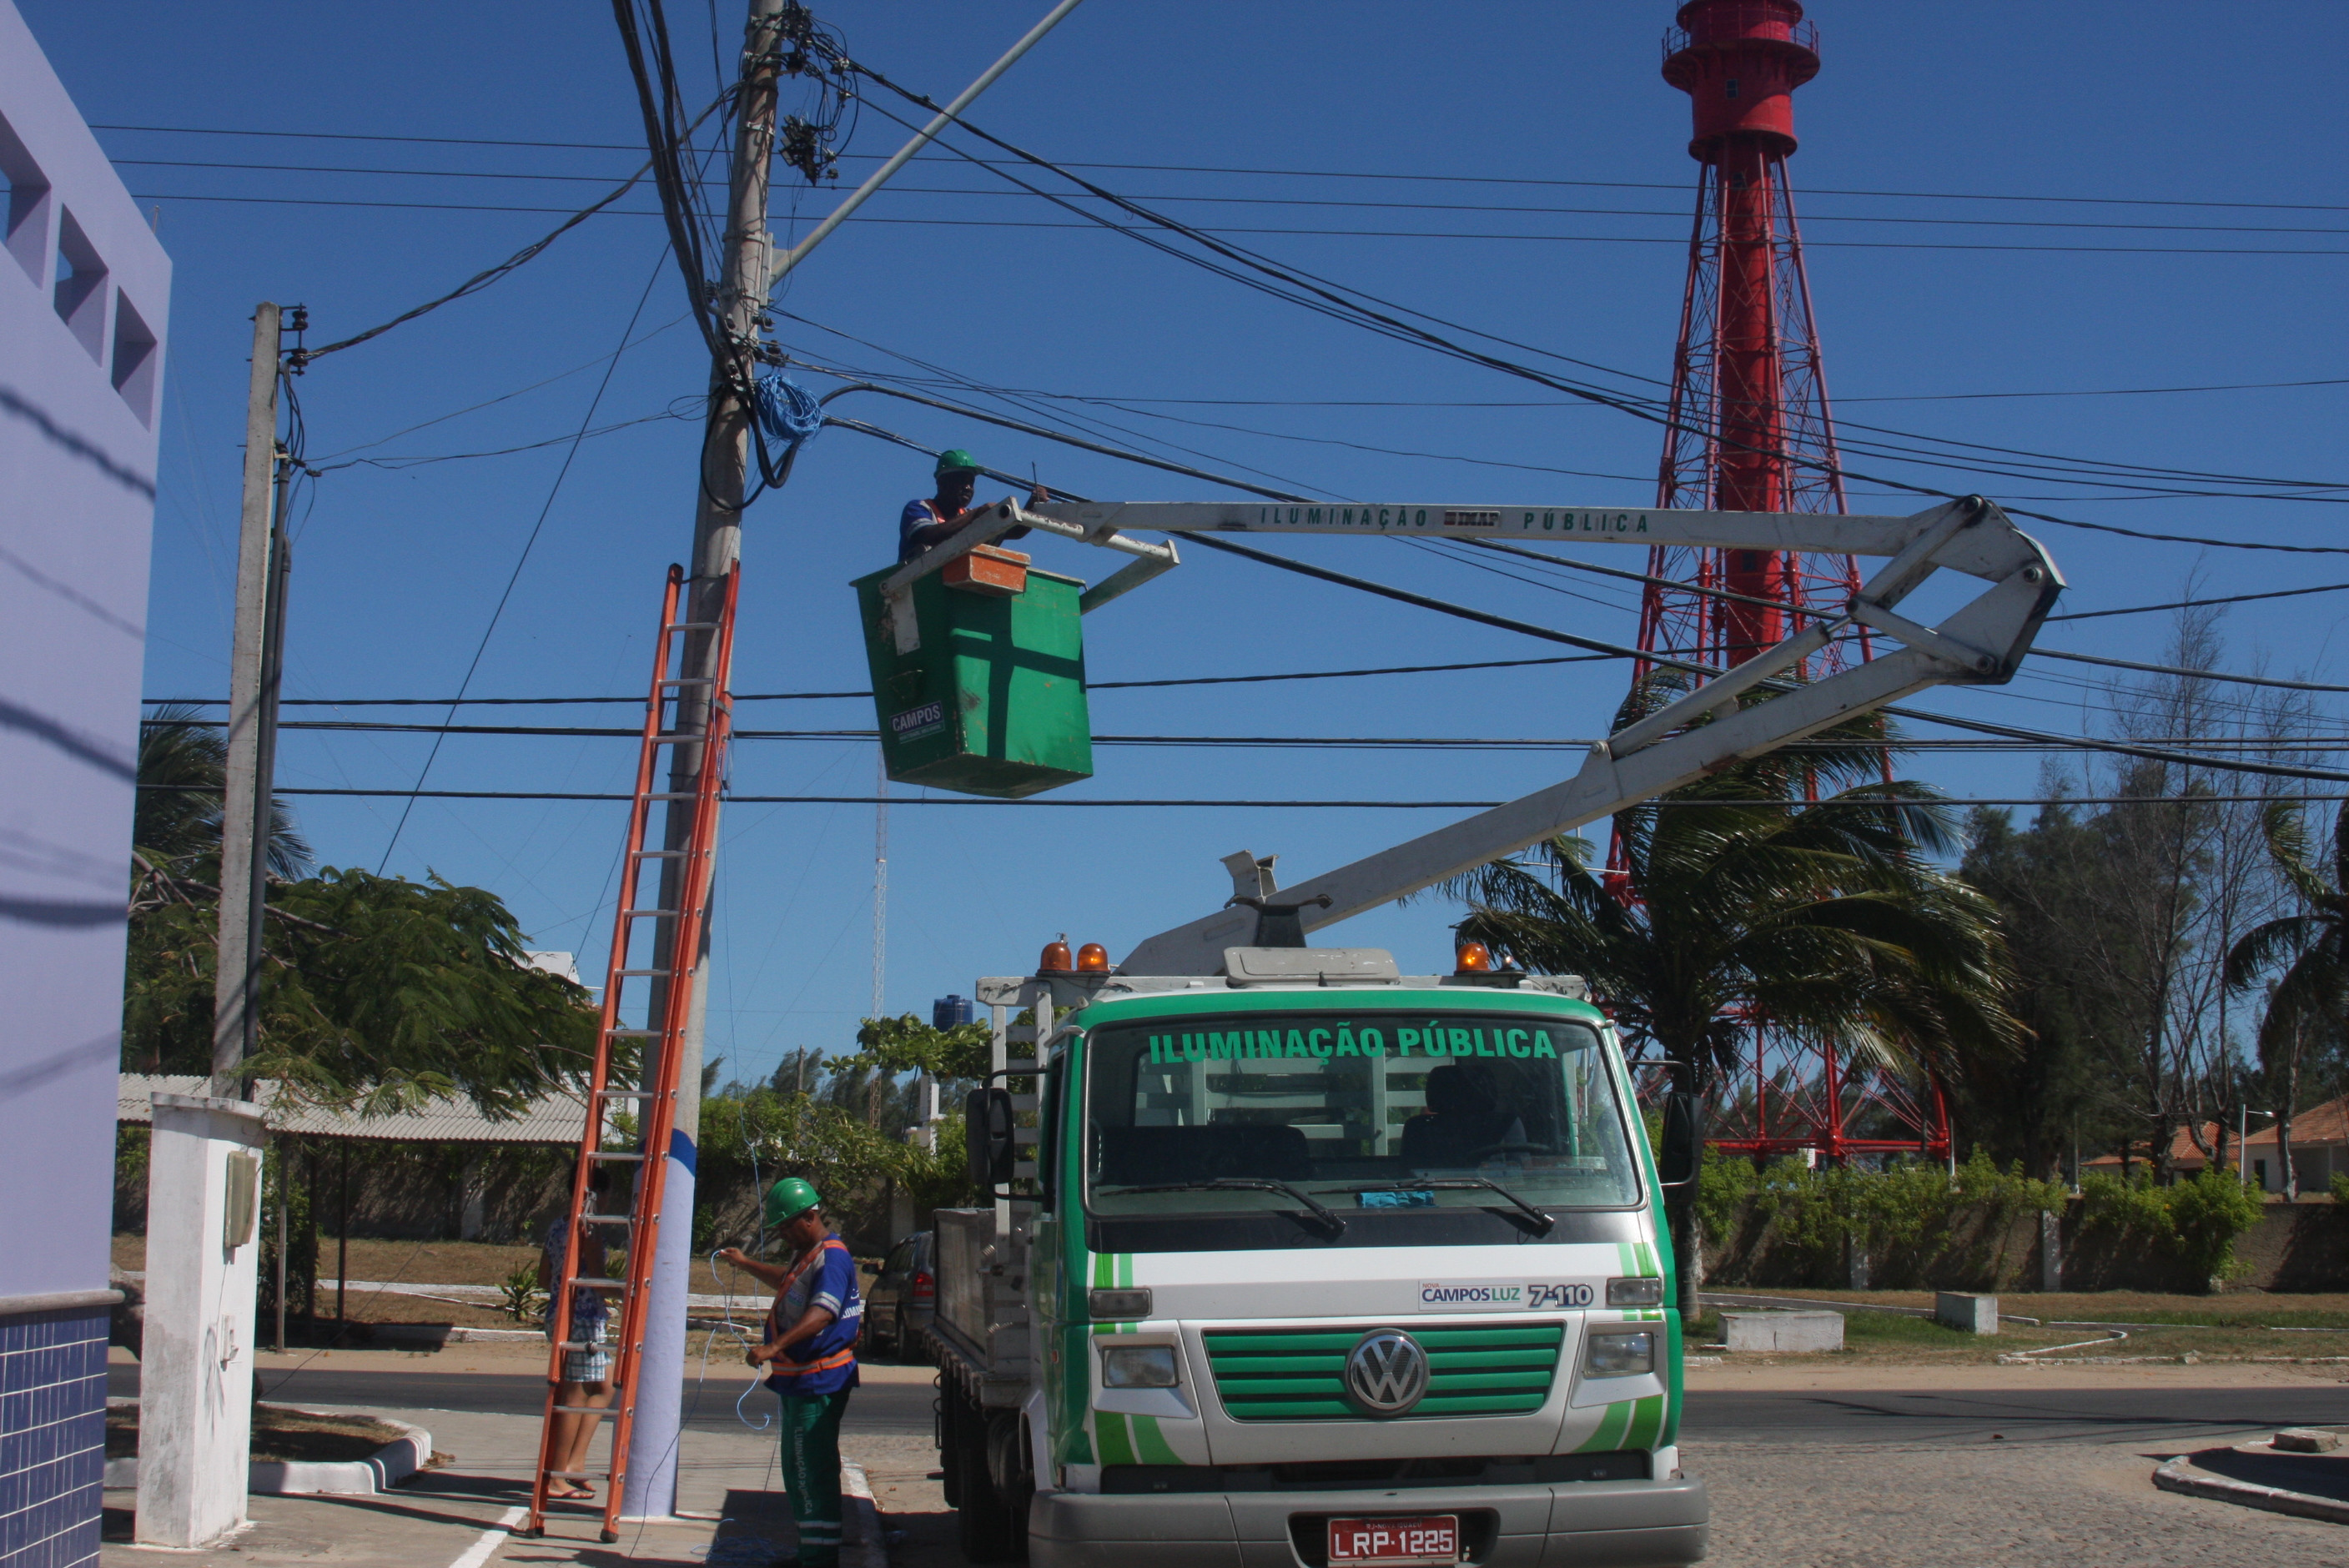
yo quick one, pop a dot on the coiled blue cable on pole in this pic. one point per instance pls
(786, 410)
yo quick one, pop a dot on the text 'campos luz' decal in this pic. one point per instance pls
(917, 722)
(1501, 1295)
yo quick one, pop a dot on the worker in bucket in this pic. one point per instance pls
(810, 1351)
(929, 522)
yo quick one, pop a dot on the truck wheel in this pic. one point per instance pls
(950, 1444)
(986, 1526)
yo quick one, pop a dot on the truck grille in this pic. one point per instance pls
(1277, 1375)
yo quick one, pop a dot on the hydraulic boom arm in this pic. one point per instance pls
(1981, 643)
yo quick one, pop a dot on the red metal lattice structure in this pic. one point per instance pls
(1751, 432)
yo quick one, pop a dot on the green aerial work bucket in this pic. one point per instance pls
(990, 698)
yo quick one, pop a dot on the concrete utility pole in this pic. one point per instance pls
(751, 270)
(204, 1171)
(651, 1491)
(244, 806)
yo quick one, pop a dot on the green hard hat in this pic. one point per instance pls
(789, 1198)
(955, 460)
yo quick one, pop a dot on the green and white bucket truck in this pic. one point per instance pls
(1314, 1262)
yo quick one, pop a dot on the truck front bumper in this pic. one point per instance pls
(1575, 1524)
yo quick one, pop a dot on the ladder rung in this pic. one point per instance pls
(673, 795)
(612, 1154)
(644, 972)
(691, 626)
(584, 1411)
(592, 1280)
(577, 1475)
(663, 854)
(632, 1034)
(688, 680)
(679, 737)
(650, 913)
(636, 1094)
(607, 1219)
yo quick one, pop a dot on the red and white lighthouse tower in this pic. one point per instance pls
(1751, 432)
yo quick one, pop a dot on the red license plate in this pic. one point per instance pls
(1426, 1538)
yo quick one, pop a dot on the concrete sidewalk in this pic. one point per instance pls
(732, 1509)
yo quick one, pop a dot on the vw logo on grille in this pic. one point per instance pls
(1387, 1372)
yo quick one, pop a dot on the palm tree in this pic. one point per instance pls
(1748, 896)
(2311, 999)
(176, 825)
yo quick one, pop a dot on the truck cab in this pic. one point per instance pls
(1318, 1265)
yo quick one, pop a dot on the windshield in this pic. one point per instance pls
(1358, 1111)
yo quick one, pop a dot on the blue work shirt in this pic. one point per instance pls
(918, 514)
(824, 1363)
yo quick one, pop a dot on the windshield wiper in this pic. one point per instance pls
(1327, 1216)
(1532, 1221)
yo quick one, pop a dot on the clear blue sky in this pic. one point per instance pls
(1918, 297)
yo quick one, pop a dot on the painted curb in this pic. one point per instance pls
(2173, 1476)
(386, 1468)
(861, 1545)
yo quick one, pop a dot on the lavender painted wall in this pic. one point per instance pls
(84, 290)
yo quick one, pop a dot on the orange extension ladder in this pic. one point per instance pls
(682, 928)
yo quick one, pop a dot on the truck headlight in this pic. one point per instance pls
(1139, 1366)
(1647, 1290)
(1618, 1352)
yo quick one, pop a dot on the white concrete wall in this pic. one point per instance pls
(196, 1388)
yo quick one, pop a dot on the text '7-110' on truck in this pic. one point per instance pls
(1315, 1264)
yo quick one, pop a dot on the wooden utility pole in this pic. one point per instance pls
(742, 297)
(244, 805)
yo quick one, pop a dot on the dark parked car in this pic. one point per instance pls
(901, 1300)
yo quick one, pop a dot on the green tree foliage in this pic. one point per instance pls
(176, 824)
(906, 1045)
(2307, 952)
(843, 1123)
(376, 991)
(1918, 1226)
(1794, 886)
(2068, 1081)
(2195, 1221)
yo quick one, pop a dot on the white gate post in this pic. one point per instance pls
(195, 1375)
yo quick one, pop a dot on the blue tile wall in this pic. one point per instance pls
(52, 1437)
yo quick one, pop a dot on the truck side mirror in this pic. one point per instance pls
(988, 1138)
(1676, 1163)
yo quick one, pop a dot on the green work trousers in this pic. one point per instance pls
(810, 1438)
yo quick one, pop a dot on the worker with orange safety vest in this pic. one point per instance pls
(810, 1350)
(928, 522)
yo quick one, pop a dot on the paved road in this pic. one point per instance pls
(2040, 1415)
(898, 1409)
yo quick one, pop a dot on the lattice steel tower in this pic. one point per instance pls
(1751, 432)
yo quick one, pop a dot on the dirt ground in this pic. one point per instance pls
(434, 1262)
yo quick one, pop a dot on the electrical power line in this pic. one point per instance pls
(1305, 804)
(1674, 215)
(529, 543)
(1446, 179)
